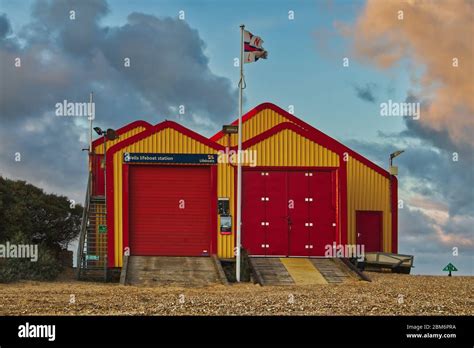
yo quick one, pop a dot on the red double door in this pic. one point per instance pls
(288, 213)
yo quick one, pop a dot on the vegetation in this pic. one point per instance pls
(29, 216)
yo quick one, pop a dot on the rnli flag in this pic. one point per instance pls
(253, 49)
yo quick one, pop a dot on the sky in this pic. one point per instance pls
(403, 51)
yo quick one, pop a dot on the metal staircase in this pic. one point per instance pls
(92, 248)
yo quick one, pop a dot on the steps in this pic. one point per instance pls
(270, 271)
(93, 258)
(167, 270)
(331, 270)
(298, 271)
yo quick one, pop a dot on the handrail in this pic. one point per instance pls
(82, 236)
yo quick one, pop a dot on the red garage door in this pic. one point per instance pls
(169, 209)
(288, 213)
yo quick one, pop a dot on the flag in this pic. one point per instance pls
(253, 49)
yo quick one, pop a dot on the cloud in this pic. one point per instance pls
(172, 70)
(64, 59)
(431, 171)
(433, 244)
(5, 27)
(433, 35)
(366, 92)
(437, 213)
(74, 23)
(437, 170)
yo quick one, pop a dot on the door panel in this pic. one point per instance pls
(253, 212)
(298, 213)
(322, 212)
(276, 213)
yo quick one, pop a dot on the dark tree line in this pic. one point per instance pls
(30, 216)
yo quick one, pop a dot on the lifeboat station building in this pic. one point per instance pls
(169, 191)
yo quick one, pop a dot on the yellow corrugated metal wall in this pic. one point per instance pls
(225, 188)
(287, 148)
(169, 140)
(259, 123)
(367, 190)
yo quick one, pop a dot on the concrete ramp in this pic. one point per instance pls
(179, 271)
(298, 271)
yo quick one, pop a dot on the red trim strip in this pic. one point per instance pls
(123, 130)
(125, 205)
(337, 203)
(110, 214)
(333, 144)
(394, 214)
(213, 211)
(343, 200)
(292, 168)
(160, 126)
(246, 117)
(278, 128)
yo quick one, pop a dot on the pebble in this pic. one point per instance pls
(352, 298)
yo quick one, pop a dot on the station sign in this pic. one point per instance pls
(230, 129)
(170, 158)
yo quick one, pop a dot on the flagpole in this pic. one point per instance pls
(239, 157)
(91, 99)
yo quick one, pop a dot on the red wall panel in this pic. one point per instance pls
(98, 183)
